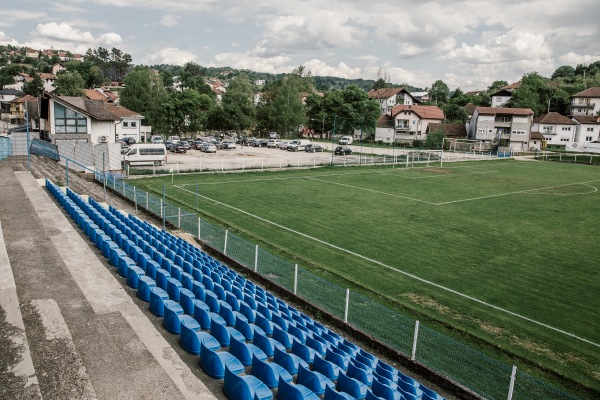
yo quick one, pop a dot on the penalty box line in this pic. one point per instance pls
(408, 274)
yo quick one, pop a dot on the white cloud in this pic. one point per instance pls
(63, 32)
(109, 39)
(572, 58)
(170, 55)
(275, 64)
(169, 20)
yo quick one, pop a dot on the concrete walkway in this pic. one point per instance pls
(68, 328)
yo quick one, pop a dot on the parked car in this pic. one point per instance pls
(196, 144)
(283, 145)
(169, 144)
(298, 145)
(228, 145)
(217, 144)
(346, 140)
(128, 140)
(313, 148)
(178, 148)
(185, 144)
(208, 148)
(274, 143)
(157, 139)
(342, 151)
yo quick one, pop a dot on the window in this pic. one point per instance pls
(68, 121)
(564, 139)
(152, 151)
(566, 128)
(125, 124)
(518, 132)
(588, 138)
(590, 129)
(504, 119)
(133, 124)
(481, 130)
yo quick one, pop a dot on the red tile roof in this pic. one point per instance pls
(454, 130)
(424, 112)
(591, 92)
(587, 119)
(384, 93)
(502, 110)
(512, 86)
(554, 118)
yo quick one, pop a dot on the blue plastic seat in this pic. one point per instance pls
(173, 289)
(224, 333)
(347, 349)
(212, 301)
(337, 359)
(213, 362)
(316, 345)
(288, 361)
(327, 368)
(151, 268)
(115, 256)
(191, 337)
(332, 394)
(264, 324)
(282, 337)
(199, 290)
(303, 351)
(265, 343)
(245, 387)
(226, 312)
(409, 388)
(269, 372)
(385, 391)
(361, 375)
(366, 361)
(202, 314)
(124, 264)
(186, 300)
(431, 394)
(232, 301)
(144, 285)
(245, 351)
(354, 388)
(187, 281)
(246, 329)
(162, 278)
(289, 391)
(313, 380)
(247, 312)
(171, 321)
(157, 301)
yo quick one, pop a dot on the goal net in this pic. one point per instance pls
(419, 159)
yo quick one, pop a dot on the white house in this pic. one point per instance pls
(586, 102)
(587, 128)
(512, 125)
(503, 95)
(389, 98)
(557, 129)
(406, 123)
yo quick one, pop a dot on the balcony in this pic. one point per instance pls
(582, 104)
(402, 127)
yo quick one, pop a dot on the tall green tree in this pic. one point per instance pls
(238, 104)
(187, 111)
(286, 111)
(145, 94)
(35, 87)
(69, 84)
(439, 92)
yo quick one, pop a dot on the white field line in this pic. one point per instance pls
(517, 192)
(399, 271)
(441, 175)
(373, 191)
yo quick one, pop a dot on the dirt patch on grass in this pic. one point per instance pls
(489, 328)
(438, 170)
(427, 302)
(537, 348)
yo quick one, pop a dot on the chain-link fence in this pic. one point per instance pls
(445, 356)
(592, 159)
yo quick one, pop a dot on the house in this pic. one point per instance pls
(390, 97)
(91, 121)
(503, 95)
(556, 129)
(408, 123)
(6, 96)
(586, 102)
(587, 128)
(56, 68)
(102, 94)
(470, 109)
(20, 112)
(509, 125)
(420, 97)
(48, 81)
(31, 53)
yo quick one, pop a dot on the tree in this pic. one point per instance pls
(69, 84)
(495, 86)
(439, 92)
(187, 110)
(238, 104)
(286, 111)
(379, 84)
(455, 113)
(35, 87)
(435, 139)
(95, 78)
(566, 71)
(145, 94)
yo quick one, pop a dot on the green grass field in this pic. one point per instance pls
(507, 252)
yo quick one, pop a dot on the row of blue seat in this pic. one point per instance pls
(212, 309)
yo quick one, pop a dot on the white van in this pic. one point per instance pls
(174, 139)
(297, 145)
(146, 153)
(346, 140)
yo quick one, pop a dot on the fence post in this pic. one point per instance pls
(196, 197)
(256, 259)
(414, 348)
(575, 158)
(135, 200)
(199, 228)
(67, 173)
(225, 244)
(104, 176)
(222, 166)
(123, 186)
(179, 218)
(442, 159)
(511, 387)
(295, 278)
(147, 201)
(346, 306)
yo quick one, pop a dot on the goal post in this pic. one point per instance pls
(419, 159)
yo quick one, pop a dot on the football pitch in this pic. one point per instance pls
(503, 255)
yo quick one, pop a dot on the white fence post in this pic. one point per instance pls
(346, 305)
(135, 200)
(511, 387)
(179, 218)
(256, 259)
(414, 347)
(225, 244)
(161, 209)
(147, 201)
(295, 278)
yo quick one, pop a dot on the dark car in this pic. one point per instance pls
(196, 144)
(263, 142)
(128, 140)
(185, 144)
(313, 148)
(342, 151)
(178, 148)
(169, 144)
(255, 143)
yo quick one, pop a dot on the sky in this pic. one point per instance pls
(467, 44)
